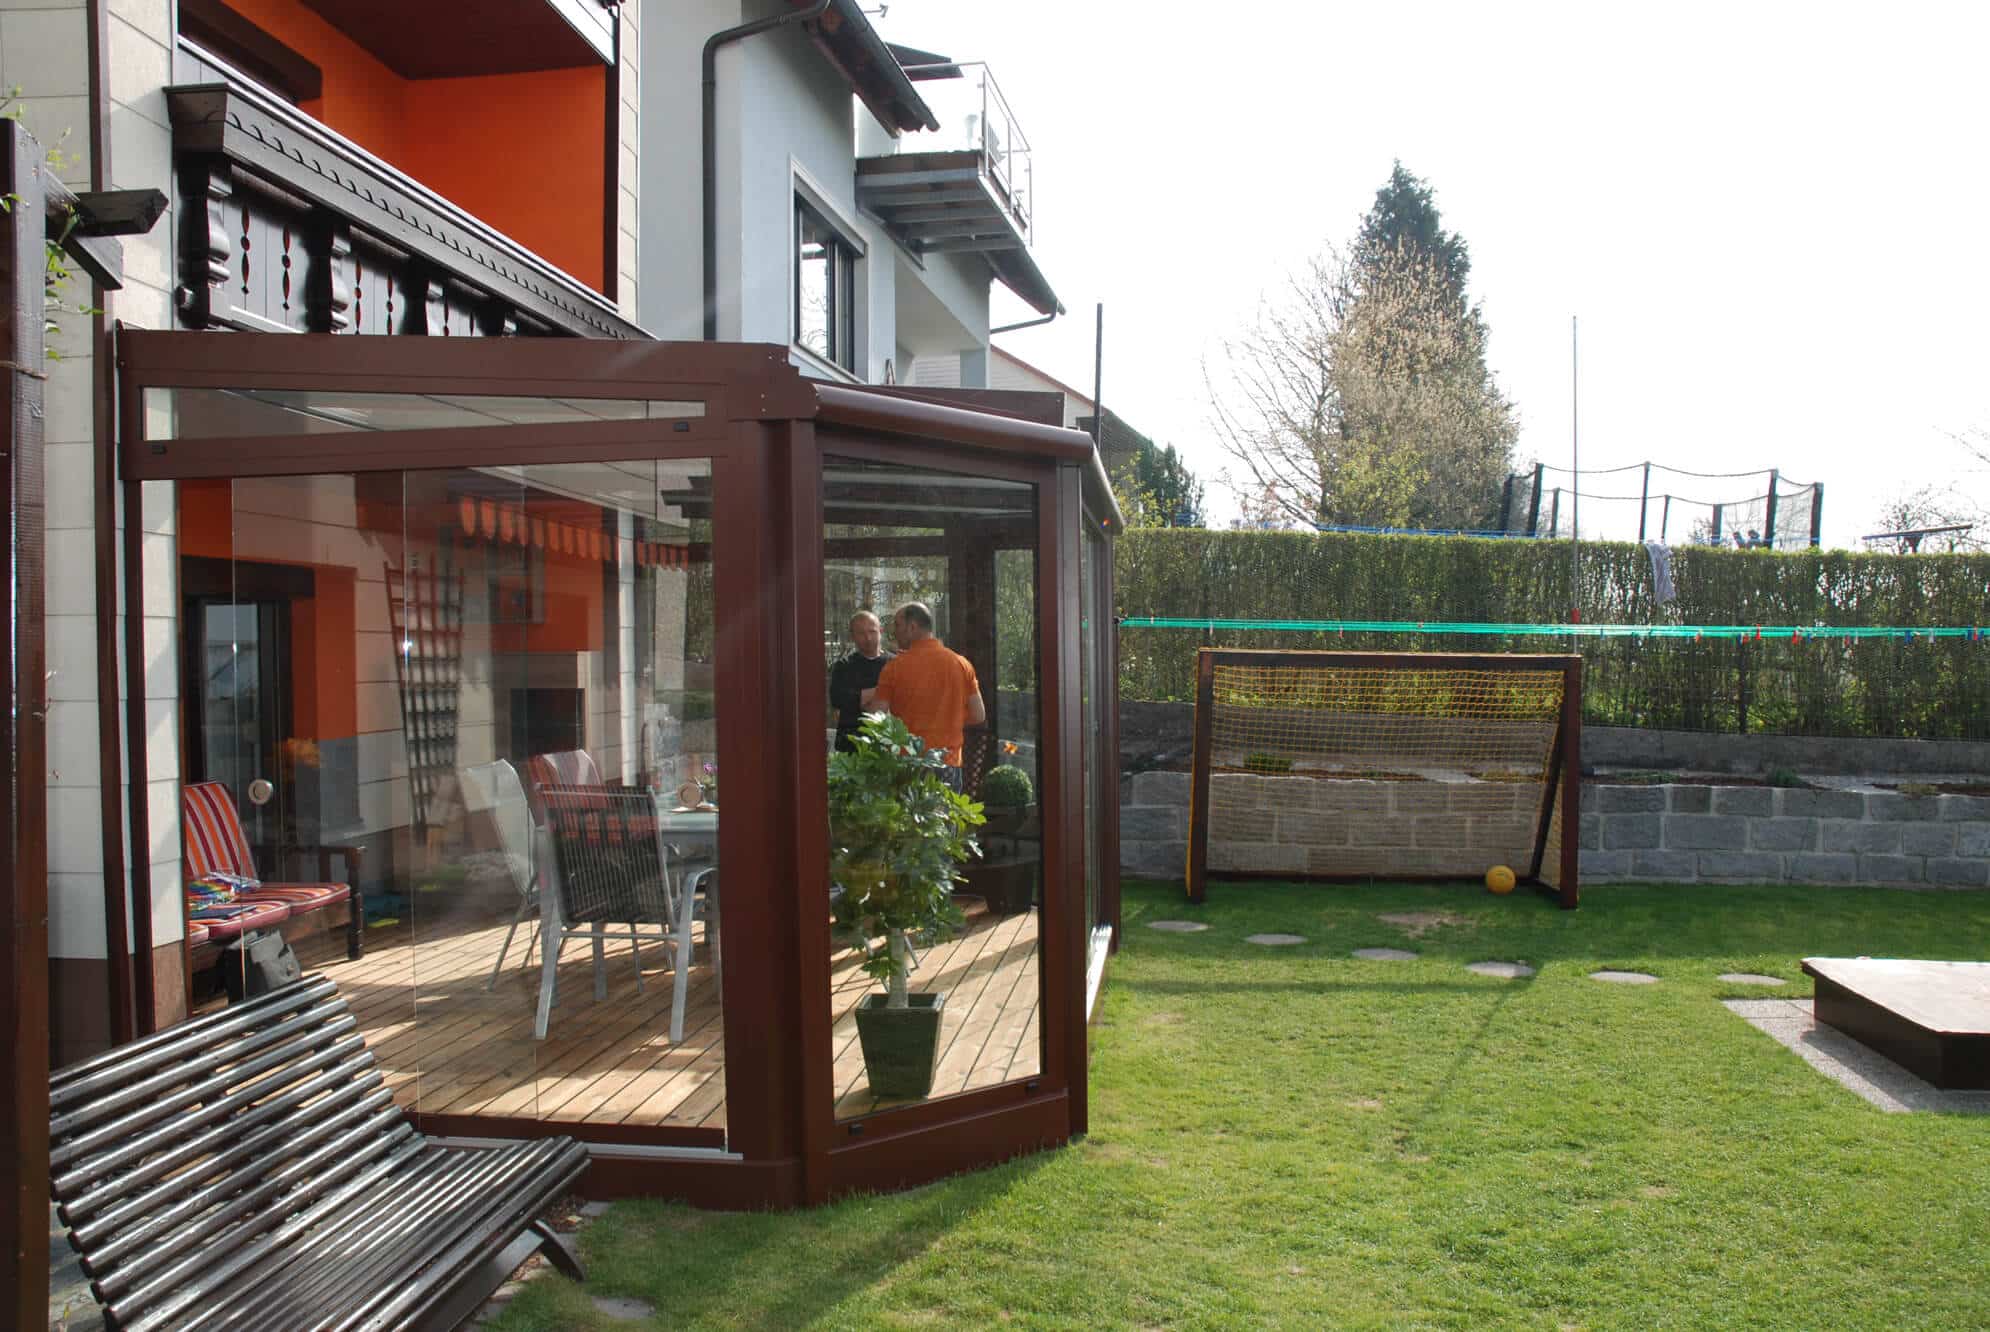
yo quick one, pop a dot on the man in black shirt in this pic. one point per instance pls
(854, 672)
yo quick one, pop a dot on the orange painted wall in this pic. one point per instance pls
(522, 152)
(323, 628)
(206, 520)
(324, 632)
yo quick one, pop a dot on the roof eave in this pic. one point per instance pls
(848, 41)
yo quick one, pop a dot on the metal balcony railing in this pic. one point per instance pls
(975, 116)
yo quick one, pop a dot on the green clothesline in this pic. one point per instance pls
(1745, 632)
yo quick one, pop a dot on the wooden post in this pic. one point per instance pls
(1198, 807)
(23, 803)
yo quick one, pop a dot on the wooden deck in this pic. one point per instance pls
(448, 1045)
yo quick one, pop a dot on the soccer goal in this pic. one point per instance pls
(1387, 765)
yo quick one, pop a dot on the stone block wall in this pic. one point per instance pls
(1676, 834)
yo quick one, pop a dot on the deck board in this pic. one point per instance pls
(446, 1044)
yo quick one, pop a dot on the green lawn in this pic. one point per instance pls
(1296, 1138)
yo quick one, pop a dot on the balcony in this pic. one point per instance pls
(966, 188)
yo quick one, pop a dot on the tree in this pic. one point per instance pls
(1941, 506)
(1405, 217)
(1932, 506)
(1155, 488)
(1362, 396)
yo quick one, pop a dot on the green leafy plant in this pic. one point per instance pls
(1007, 785)
(1786, 777)
(57, 273)
(1267, 763)
(896, 832)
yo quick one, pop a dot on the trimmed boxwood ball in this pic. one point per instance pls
(1007, 785)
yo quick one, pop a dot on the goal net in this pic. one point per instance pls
(1395, 765)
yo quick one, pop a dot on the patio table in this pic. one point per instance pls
(693, 836)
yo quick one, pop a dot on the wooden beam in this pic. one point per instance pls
(118, 212)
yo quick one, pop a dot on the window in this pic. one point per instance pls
(825, 289)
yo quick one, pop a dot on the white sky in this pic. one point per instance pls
(1771, 219)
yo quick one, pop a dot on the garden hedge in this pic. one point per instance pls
(1821, 685)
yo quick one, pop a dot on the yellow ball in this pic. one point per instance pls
(1499, 879)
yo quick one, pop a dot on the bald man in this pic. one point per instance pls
(929, 686)
(855, 672)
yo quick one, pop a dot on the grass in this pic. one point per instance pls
(1295, 1138)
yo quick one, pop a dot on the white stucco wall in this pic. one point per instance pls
(783, 115)
(43, 50)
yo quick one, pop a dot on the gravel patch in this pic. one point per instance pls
(1385, 955)
(1624, 977)
(1858, 1068)
(1275, 940)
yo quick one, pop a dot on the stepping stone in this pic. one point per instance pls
(1275, 940)
(1624, 977)
(1177, 926)
(623, 1310)
(1750, 978)
(1385, 955)
(1504, 970)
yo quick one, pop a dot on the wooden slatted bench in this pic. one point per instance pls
(251, 1170)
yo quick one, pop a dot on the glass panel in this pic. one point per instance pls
(493, 682)
(206, 413)
(1090, 697)
(814, 287)
(963, 549)
(230, 674)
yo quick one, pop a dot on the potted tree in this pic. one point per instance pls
(896, 833)
(1006, 878)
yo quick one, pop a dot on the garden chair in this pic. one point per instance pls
(215, 844)
(614, 879)
(496, 789)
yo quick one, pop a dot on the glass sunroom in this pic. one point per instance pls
(489, 633)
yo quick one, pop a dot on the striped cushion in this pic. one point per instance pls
(573, 769)
(214, 839)
(568, 767)
(299, 897)
(228, 921)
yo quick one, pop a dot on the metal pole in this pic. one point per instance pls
(1817, 514)
(1644, 501)
(1534, 504)
(1769, 519)
(1717, 523)
(1575, 481)
(1506, 505)
(1098, 381)
(1555, 512)
(1665, 518)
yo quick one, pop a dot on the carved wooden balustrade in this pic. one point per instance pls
(285, 226)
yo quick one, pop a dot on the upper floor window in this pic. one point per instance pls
(825, 289)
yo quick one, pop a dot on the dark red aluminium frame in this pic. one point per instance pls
(766, 431)
(1564, 784)
(23, 762)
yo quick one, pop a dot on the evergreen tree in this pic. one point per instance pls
(1364, 398)
(1405, 218)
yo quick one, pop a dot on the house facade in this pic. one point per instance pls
(500, 418)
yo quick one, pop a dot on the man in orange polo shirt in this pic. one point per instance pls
(930, 687)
